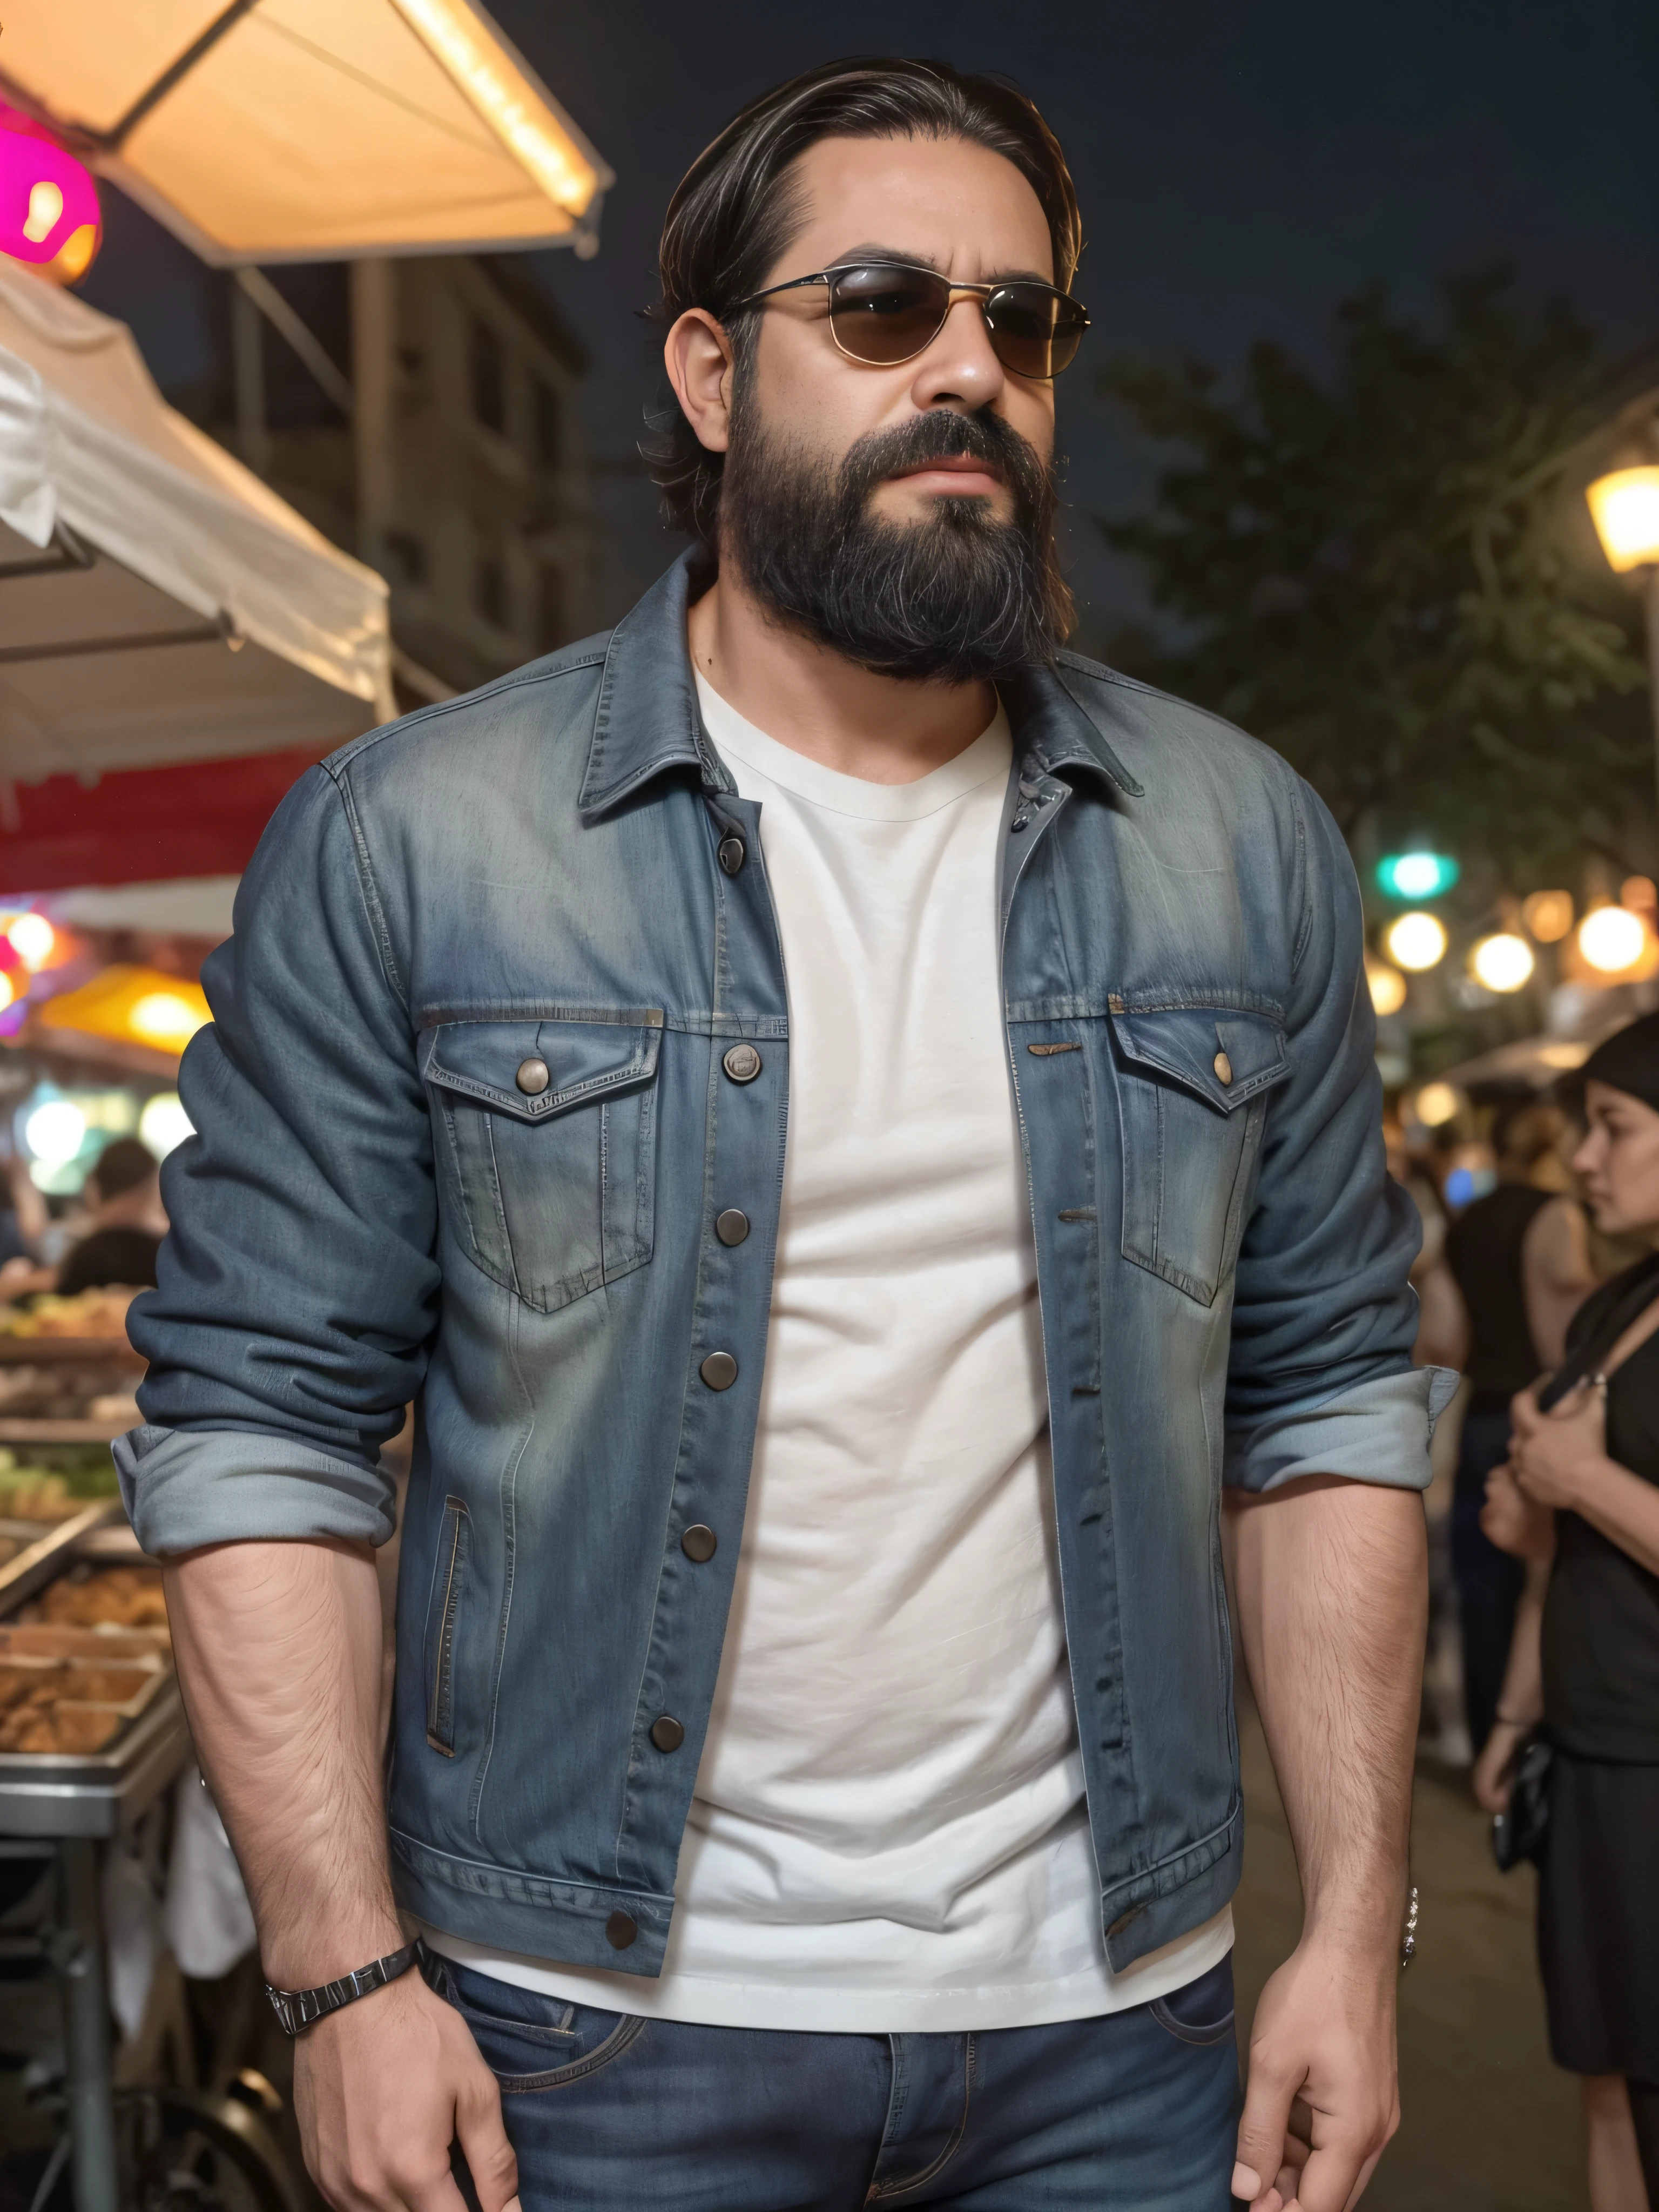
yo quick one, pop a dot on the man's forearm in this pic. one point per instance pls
(1333, 1592)
(278, 1647)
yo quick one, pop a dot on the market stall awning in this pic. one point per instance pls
(309, 130)
(157, 602)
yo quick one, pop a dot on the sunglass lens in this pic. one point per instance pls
(1036, 332)
(882, 315)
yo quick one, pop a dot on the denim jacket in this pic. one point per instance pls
(502, 1029)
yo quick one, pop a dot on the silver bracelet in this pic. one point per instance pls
(1409, 1941)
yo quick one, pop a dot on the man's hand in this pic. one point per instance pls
(382, 2088)
(1324, 2095)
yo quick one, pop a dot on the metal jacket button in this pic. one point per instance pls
(731, 1226)
(699, 1543)
(718, 1370)
(532, 1078)
(742, 1063)
(667, 1733)
(620, 1930)
(1224, 1067)
(732, 854)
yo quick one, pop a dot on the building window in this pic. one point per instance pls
(551, 615)
(405, 556)
(490, 589)
(487, 366)
(549, 428)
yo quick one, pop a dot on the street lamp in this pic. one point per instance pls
(1624, 508)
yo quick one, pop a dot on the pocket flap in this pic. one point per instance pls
(1223, 1055)
(584, 1059)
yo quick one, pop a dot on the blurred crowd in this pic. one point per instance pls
(109, 1234)
(1539, 1280)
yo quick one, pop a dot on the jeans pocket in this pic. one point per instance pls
(531, 2042)
(1201, 2012)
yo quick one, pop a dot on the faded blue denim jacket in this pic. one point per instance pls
(385, 1201)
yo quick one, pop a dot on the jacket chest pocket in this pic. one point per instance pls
(549, 1132)
(1192, 1087)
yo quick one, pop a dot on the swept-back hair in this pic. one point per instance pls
(736, 211)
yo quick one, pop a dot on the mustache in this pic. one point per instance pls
(944, 436)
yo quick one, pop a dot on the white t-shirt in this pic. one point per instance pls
(889, 1831)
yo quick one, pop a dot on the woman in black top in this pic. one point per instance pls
(1583, 1484)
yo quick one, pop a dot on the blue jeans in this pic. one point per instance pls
(1134, 2112)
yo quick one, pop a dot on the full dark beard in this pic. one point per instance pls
(960, 598)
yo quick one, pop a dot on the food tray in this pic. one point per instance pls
(99, 1793)
(49, 1350)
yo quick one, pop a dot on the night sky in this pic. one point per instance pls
(1242, 168)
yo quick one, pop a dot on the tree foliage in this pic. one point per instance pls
(1378, 571)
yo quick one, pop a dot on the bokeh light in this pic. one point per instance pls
(164, 1123)
(1388, 987)
(1612, 938)
(33, 940)
(1435, 1104)
(1417, 875)
(1503, 962)
(166, 1019)
(1548, 916)
(55, 1131)
(1416, 942)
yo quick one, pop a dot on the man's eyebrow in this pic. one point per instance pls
(912, 259)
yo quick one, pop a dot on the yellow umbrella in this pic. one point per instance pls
(309, 130)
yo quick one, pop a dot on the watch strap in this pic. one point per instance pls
(299, 2009)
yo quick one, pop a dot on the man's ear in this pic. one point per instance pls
(698, 357)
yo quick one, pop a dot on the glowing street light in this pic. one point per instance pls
(1416, 942)
(1503, 962)
(1623, 506)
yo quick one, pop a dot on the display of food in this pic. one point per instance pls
(88, 1597)
(52, 1484)
(71, 1689)
(88, 1313)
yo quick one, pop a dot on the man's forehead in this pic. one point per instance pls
(960, 207)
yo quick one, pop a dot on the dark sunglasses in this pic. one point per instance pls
(882, 312)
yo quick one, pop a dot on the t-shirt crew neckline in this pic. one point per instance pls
(985, 760)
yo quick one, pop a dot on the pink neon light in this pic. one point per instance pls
(46, 194)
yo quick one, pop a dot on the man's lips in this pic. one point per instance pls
(958, 472)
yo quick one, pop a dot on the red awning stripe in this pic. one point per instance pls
(144, 824)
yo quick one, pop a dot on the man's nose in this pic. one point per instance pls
(960, 367)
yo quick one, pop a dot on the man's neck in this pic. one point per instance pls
(882, 729)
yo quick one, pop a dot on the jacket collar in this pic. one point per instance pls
(646, 719)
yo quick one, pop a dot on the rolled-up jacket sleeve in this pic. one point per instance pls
(298, 1288)
(1320, 1379)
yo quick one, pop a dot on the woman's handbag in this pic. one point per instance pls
(1518, 1832)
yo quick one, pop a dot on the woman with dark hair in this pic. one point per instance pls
(1581, 1490)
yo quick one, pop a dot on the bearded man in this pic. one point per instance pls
(851, 1124)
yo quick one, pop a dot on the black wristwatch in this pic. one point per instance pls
(299, 2009)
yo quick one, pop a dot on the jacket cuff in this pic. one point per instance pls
(1378, 1432)
(185, 1488)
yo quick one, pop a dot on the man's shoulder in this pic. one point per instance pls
(543, 702)
(1147, 728)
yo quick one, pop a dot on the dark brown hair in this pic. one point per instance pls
(735, 211)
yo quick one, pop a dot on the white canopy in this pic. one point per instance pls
(310, 129)
(157, 602)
